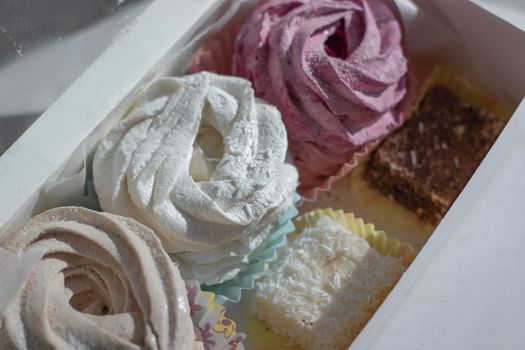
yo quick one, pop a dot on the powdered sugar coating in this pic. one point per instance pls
(104, 282)
(336, 71)
(202, 162)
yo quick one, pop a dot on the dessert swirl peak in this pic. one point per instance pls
(200, 160)
(103, 281)
(335, 69)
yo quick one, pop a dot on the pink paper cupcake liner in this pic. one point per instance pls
(310, 194)
(215, 55)
(406, 106)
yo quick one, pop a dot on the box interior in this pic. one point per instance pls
(467, 48)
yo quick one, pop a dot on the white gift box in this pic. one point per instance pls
(465, 288)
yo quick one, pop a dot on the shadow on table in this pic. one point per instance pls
(26, 23)
(16, 125)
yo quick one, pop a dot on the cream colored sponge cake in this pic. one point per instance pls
(325, 287)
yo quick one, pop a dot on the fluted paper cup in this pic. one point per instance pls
(259, 260)
(212, 326)
(261, 334)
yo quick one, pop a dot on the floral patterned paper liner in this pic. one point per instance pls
(212, 327)
(261, 334)
(216, 331)
(232, 290)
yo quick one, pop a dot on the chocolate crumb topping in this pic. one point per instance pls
(426, 163)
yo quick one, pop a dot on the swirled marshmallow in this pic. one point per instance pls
(334, 68)
(202, 162)
(104, 282)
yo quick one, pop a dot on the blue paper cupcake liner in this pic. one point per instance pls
(231, 290)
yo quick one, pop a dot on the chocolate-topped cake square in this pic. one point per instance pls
(425, 164)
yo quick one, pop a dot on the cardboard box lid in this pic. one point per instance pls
(512, 11)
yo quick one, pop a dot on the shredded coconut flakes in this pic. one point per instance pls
(326, 287)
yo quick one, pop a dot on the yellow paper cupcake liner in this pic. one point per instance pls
(261, 336)
(466, 92)
(376, 238)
